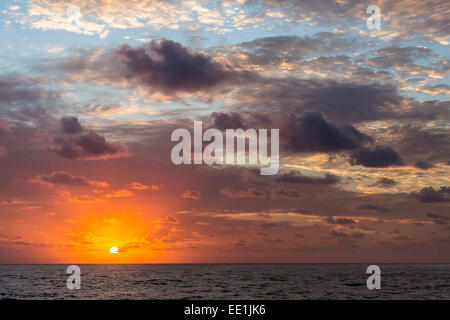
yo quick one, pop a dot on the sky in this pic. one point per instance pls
(90, 92)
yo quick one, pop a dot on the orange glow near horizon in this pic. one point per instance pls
(113, 238)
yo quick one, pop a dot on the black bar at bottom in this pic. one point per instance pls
(219, 309)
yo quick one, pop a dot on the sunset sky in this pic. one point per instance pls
(87, 108)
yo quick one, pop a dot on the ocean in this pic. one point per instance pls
(226, 281)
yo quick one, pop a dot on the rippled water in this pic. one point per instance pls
(231, 281)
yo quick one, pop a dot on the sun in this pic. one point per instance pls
(114, 250)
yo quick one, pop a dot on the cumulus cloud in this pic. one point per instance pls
(95, 144)
(375, 157)
(71, 125)
(170, 67)
(161, 68)
(88, 146)
(313, 133)
(430, 195)
(223, 121)
(67, 179)
(341, 221)
(241, 120)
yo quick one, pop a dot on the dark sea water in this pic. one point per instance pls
(225, 281)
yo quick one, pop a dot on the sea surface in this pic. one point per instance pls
(226, 281)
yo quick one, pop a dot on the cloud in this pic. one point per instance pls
(384, 182)
(424, 165)
(241, 120)
(138, 186)
(15, 90)
(123, 193)
(344, 102)
(71, 125)
(394, 13)
(102, 16)
(21, 204)
(313, 133)
(171, 68)
(249, 193)
(341, 115)
(165, 69)
(375, 157)
(436, 89)
(141, 186)
(430, 195)
(96, 145)
(191, 194)
(297, 177)
(25, 104)
(438, 219)
(67, 179)
(83, 198)
(51, 15)
(66, 149)
(341, 221)
(89, 146)
(279, 49)
(398, 56)
(432, 143)
(172, 220)
(284, 193)
(223, 121)
(341, 234)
